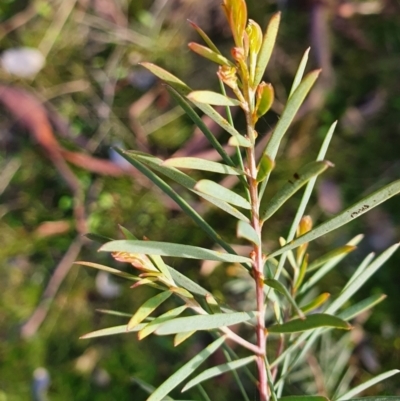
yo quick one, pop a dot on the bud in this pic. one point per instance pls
(140, 261)
(264, 99)
(305, 225)
(228, 76)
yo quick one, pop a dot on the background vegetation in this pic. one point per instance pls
(91, 95)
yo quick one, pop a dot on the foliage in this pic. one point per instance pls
(287, 312)
(94, 95)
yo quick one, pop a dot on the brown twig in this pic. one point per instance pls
(32, 325)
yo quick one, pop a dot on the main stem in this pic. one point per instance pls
(258, 273)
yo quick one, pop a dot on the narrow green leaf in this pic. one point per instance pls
(218, 370)
(205, 37)
(184, 180)
(292, 186)
(185, 282)
(125, 232)
(110, 331)
(159, 263)
(328, 266)
(377, 398)
(292, 105)
(181, 337)
(184, 90)
(157, 164)
(311, 322)
(358, 389)
(223, 123)
(209, 54)
(110, 270)
(157, 260)
(203, 322)
(316, 303)
(181, 202)
(147, 308)
(342, 250)
(197, 163)
(147, 388)
(114, 313)
(278, 286)
(300, 72)
(212, 304)
(181, 374)
(360, 307)
(98, 238)
(246, 231)
(360, 269)
(218, 191)
(351, 213)
(169, 249)
(266, 48)
(152, 326)
(348, 292)
(167, 77)
(203, 127)
(265, 166)
(212, 98)
(303, 398)
(200, 124)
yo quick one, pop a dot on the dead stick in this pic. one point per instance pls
(31, 326)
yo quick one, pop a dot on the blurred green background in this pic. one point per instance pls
(91, 95)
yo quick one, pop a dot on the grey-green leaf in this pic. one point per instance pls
(110, 270)
(300, 72)
(303, 398)
(342, 250)
(291, 108)
(188, 109)
(203, 322)
(358, 389)
(266, 48)
(147, 308)
(311, 322)
(182, 179)
(366, 304)
(185, 282)
(376, 398)
(351, 213)
(353, 287)
(187, 369)
(152, 326)
(278, 286)
(218, 191)
(218, 370)
(169, 249)
(197, 163)
(199, 220)
(110, 331)
(184, 90)
(292, 186)
(246, 231)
